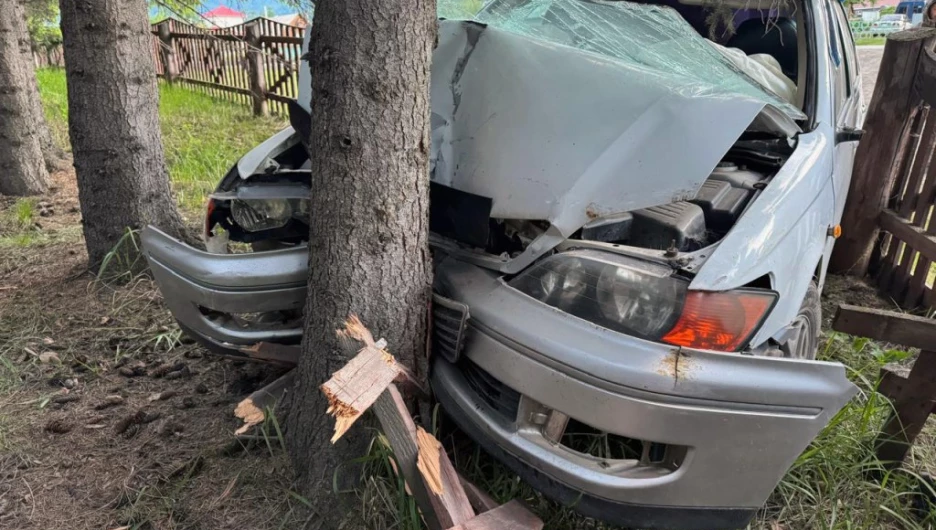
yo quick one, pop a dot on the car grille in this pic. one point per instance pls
(449, 320)
(504, 400)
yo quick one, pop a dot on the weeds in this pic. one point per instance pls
(24, 211)
(124, 261)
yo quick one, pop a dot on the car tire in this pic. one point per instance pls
(806, 327)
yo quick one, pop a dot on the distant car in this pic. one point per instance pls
(629, 232)
(912, 10)
(889, 24)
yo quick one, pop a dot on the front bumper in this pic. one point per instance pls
(729, 425)
(734, 424)
(206, 291)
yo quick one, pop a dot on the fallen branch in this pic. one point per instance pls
(251, 410)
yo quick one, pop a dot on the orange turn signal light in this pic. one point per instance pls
(722, 321)
(209, 210)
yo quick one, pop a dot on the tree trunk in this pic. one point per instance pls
(22, 169)
(113, 122)
(369, 254)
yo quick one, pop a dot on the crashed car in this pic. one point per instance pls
(630, 232)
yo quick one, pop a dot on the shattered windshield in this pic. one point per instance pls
(647, 37)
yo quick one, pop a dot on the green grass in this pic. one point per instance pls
(870, 41)
(202, 137)
(826, 488)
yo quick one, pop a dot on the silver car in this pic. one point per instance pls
(630, 227)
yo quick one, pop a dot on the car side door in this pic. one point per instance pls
(847, 99)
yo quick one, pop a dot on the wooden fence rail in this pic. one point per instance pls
(913, 396)
(888, 225)
(255, 63)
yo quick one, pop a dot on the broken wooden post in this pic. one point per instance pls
(367, 381)
(878, 158)
(255, 70)
(510, 516)
(912, 397)
(166, 52)
(253, 409)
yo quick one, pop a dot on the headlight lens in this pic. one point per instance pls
(645, 300)
(255, 215)
(627, 295)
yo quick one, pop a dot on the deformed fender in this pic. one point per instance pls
(782, 234)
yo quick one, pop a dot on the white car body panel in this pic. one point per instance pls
(783, 234)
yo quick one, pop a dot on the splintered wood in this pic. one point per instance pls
(368, 381)
(251, 410)
(446, 493)
(428, 460)
(354, 388)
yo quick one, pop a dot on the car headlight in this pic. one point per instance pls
(645, 299)
(255, 215)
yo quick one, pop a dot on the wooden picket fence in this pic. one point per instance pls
(255, 63)
(888, 223)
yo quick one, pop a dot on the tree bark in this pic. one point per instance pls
(368, 251)
(113, 122)
(22, 169)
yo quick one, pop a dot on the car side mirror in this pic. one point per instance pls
(848, 134)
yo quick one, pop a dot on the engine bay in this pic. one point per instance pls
(270, 210)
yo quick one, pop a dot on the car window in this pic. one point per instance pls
(839, 75)
(848, 48)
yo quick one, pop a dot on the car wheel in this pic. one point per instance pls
(804, 339)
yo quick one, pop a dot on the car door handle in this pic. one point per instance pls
(848, 134)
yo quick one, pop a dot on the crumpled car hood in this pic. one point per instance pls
(569, 110)
(550, 132)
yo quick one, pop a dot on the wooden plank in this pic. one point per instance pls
(255, 68)
(891, 106)
(398, 426)
(278, 98)
(448, 498)
(910, 196)
(195, 35)
(253, 409)
(281, 39)
(916, 180)
(510, 516)
(906, 232)
(908, 330)
(357, 385)
(911, 409)
(207, 84)
(892, 385)
(479, 499)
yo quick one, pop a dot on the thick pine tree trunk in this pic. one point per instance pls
(368, 246)
(22, 168)
(113, 122)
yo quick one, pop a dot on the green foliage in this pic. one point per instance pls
(42, 18)
(888, 10)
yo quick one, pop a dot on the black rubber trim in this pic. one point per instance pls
(652, 517)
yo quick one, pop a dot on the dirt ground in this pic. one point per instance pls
(109, 418)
